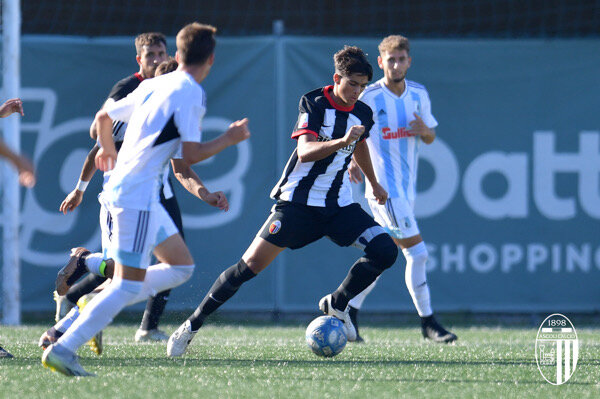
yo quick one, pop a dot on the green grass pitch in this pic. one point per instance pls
(256, 361)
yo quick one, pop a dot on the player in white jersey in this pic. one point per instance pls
(403, 120)
(163, 116)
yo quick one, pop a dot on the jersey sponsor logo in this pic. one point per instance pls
(275, 227)
(303, 120)
(388, 134)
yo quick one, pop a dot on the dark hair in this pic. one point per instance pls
(394, 42)
(195, 43)
(149, 39)
(352, 59)
(166, 66)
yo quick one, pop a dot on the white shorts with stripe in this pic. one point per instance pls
(132, 234)
(396, 216)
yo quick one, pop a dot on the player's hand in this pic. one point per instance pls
(218, 200)
(353, 134)
(355, 173)
(105, 159)
(379, 193)
(238, 131)
(71, 202)
(11, 106)
(419, 128)
(26, 172)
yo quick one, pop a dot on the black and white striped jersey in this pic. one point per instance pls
(120, 90)
(322, 183)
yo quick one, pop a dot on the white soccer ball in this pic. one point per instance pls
(325, 336)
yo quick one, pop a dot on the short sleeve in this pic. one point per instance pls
(188, 119)
(426, 114)
(121, 110)
(310, 118)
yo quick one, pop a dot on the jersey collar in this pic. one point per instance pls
(140, 77)
(388, 91)
(326, 91)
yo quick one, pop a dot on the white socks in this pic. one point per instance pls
(162, 277)
(100, 312)
(119, 293)
(416, 279)
(63, 324)
(93, 262)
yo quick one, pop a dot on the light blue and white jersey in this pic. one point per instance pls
(161, 113)
(394, 151)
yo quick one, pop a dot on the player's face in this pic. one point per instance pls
(348, 88)
(395, 64)
(150, 58)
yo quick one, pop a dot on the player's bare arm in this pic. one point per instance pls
(363, 160)
(419, 128)
(192, 183)
(88, 169)
(195, 152)
(24, 167)
(311, 150)
(107, 154)
(354, 172)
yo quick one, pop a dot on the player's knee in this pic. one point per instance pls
(237, 274)
(184, 272)
(383, 251)
(130, 286)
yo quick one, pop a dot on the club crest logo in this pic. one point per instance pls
(303, 121)
(275, 227)
(556, 349)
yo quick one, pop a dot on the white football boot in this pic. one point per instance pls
(180, 339)
(344, 316)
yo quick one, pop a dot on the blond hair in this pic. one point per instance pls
(394, 42)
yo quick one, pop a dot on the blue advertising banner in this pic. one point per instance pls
(508, 194)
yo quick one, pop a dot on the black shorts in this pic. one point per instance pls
(292, 225)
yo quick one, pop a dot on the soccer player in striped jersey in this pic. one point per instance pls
(403, 120)
(151, 51)
(314, 199)
(24, 167)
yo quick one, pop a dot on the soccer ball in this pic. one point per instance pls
(325, 336)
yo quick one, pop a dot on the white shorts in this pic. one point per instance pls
(396, 216)
(132, 234)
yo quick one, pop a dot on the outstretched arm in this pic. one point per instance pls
(192, 183)
(363, 159)
(24, 167)
(88, 169)
(193, 152)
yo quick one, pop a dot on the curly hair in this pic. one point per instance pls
(352, 59)
(149, 39)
